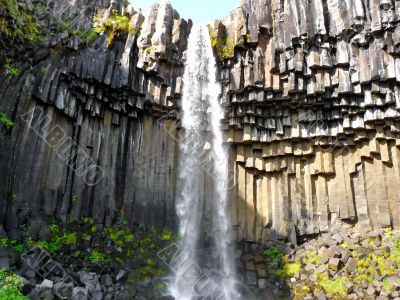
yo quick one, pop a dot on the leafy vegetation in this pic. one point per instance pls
(3, 243)
(18, 247)
(60, 237)
(6, 121)
(89, 36)
(114, 25)
(222, 46)
(273, 254)
(18, 22)
(13, 71)
(93, 245)
(97, 256)
(166, 235)
(10, 286)
(335, 288)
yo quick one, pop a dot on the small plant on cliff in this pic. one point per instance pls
(11, 286)
(13, 71)
(60, 237)
(89, 36)
(18, 21)
(113, 25)
(166, 235)
(221, 44)
(3, 243)
(6, 121)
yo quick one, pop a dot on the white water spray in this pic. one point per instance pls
(201, 121)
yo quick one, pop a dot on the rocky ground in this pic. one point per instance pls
(354, 264)
(82, 261)
(51, 261)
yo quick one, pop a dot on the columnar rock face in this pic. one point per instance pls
(313, 100)
(81, 106)
(311, 94)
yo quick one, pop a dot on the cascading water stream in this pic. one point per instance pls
(201, 123)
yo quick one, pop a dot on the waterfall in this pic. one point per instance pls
(203, 158)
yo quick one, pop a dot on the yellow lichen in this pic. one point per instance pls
(114, 25)
(223, 47)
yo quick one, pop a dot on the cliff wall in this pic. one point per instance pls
(312, 96)
(90, 136)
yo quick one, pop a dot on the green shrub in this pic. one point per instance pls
(97, 257)
(18, 247)
(166, 235)
(60, 237)
(6, 121)
(113, 25)
(88, 36)
(3, 243)
(13, 71)
(222, 46)
(273, 254)
(20, 23)
(10, 286)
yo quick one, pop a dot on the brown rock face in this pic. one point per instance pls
(312, 99)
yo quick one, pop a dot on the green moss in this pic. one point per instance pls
(118, 235)
(18, 247)
(114, 25)
(288, 270)
(312, 258)
(222, 46)
(13, 71)
(64, 25)
(160, 288)
(248, 38)
(11, 286)
(60, 237)
(87, 220)
(6, 122)
(88, 36)
(3, 243)
(19, 22)
(292, 269)
(273, 254)
(335, 287)
(388, 286)
(150, 49)
(362, 278)
(91, 36)
(97, 257)
(166, 235)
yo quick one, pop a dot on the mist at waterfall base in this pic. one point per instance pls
(205, 267)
